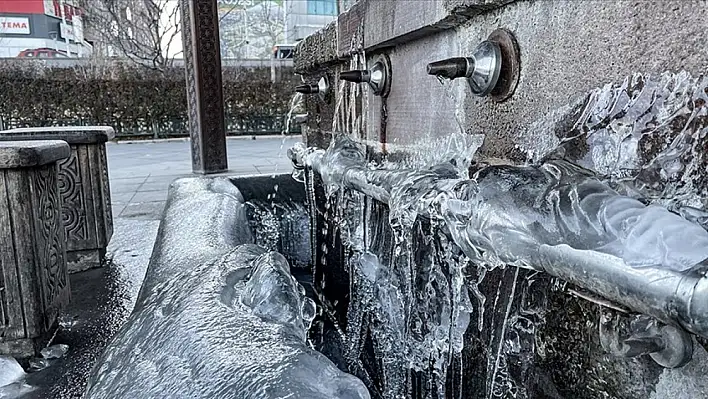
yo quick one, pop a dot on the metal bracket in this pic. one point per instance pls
(638, 335)
(510, 64)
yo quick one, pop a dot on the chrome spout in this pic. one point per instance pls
(452, 68)
(356, 76)
(481, 70)
(307, 89)
(321, 87)
(378, 77)
(492, 70)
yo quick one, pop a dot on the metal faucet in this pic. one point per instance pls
(378, 77)
(481, 70)
(321, 87)
(493, 69)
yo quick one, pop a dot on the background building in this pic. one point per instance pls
(250, 28)
(41, 28)
(304, 17)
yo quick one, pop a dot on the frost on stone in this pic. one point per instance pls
(10, 371)
(54, 351)
(12, 379)
(232, 327)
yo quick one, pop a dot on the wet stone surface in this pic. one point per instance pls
(102, 299)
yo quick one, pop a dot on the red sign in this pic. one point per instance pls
(22, 7)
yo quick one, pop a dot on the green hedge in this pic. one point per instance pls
(134, 100)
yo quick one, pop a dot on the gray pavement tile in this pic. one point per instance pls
(128, 180)
(149, 196)
(126, 172)
(143, 171)
(116, 209)
(122, 197)
(156, 186)
(179, 171)
(144, 211)
(167, 179)
(124, 188)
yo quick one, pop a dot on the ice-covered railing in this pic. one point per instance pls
(556, 217)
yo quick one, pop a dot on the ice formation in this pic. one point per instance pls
(217, 317)
(504, 213)
(12, 377)
(416, 309)
(10, 371)
(236, 326)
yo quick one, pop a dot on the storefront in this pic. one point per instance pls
(41, 29)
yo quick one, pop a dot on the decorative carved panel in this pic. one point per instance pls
(73, 203)
(106, 190)
(3, 301)
(200, 32)
(49, 238)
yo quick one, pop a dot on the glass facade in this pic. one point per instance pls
(322, 7)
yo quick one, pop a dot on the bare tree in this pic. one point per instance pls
(250, 28)
(144, 31)
(271, 30)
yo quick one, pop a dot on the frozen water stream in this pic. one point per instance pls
(254, 342)
(555, 212)
(504, 213)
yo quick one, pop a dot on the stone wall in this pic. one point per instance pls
(568, 49)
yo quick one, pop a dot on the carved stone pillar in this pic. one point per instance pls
(34, 283)
(200, 36)
(84, 188)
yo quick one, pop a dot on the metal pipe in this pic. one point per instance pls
(672, 296)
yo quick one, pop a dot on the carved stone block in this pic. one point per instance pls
(34, 285)
(84, 188)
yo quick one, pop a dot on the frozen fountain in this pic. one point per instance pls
(527, 222)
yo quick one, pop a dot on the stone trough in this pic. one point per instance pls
(220, 314)
(84, 189)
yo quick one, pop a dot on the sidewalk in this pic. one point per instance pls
(141, 172)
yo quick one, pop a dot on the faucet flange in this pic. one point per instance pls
(378, 77)
(493, 68)
(510, 64)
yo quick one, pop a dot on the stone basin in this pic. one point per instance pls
(220, 314)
